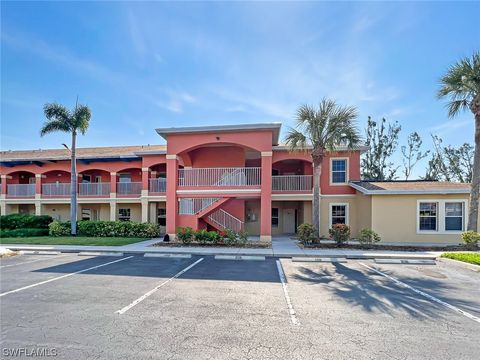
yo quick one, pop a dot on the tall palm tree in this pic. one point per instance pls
(461, 85)
(324, 129)
(61, 119)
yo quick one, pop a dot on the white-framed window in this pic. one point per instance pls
(441, 216)
(338, 214)
(338, 171)
(275, 213)
(124, 214)
(86, 214)
(162, 216)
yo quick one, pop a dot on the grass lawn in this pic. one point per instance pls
(472, 258)
(71, 240)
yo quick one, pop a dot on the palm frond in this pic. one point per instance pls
(54, 111)
(81, 118)
(51, 126)
(296, 141)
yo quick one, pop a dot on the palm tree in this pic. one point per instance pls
(461, 85)
(323, 129)
(61, 119)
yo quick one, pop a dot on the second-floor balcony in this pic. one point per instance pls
(21, 190)
(94, 189)
(292, 183)
(158, 185)
(56, 190)
(220, 177)
(129, 188)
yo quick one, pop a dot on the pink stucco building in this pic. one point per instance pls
(216, 177)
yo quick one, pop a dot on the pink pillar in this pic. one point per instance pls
(172, 204)
(4, 184)
(266, 198)
(145, 178)
(113, 182)
(38, 184)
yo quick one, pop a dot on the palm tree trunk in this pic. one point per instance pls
(475, 192)
(317, 171)
(73, 187)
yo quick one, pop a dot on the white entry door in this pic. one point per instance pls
(288, 221)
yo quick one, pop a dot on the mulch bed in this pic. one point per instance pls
(385, 247)
(179, 244)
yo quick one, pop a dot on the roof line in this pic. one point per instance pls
(406, 192)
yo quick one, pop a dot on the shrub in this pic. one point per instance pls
(368, 236)
(57, 228)
(23, 232)
(185, 234)
(471, 239)
(306, 234)
(242, 238)
(230, 238)
(25, 221)
(202, 236)
(340, 233)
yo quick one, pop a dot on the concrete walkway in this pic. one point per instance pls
(281, 247)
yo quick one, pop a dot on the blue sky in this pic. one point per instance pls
(158, 64)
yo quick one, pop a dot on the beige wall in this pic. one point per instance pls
(394, 218)
(57, 211)
(135, 211)
(325, 203)
(364, 211)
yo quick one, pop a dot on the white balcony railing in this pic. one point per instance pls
(129, 188)
(56, 189)
(21, 190)
(246, 176)
(292, 183)
(193, 206)
(94, 189)
(158, 185)
(226, 220)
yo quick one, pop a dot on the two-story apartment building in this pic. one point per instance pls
(234, 176)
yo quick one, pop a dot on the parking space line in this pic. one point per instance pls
(31, 261)
(283, 279)
(63, 276)
(155, 289)
(424, 294)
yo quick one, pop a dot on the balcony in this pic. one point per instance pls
(158, 185)
(292, 183)
(56, 190)
(21, 190)
(94, 189)
(129, 188)
(220, 177)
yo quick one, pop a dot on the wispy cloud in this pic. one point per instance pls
(451, 125)
(173, 100)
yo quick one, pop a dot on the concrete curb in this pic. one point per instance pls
(460, 264)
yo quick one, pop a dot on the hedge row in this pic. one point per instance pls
(23, 232)
(24, 221)
(106, 229)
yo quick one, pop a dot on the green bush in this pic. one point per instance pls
(214, 237)
(58, 228)
(242, 238)
(202, 236)
(25, 221)
(185, 234)
(23, 232)
(106, 229)
(340, 233)
(471, 239)
(230, 238)
(306, 234)
(368, 236)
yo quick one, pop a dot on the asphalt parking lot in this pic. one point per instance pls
(82, 307)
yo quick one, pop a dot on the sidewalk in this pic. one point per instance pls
(281, 247)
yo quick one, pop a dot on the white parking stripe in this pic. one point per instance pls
(31, 261)
(147, 294)
(424, 294)
(291, 310)
(63, 276)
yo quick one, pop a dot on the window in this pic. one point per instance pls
(275, 217)
(124, 214)
(86, 178)
(339, 171)
(124, 178)
(428, 216)
(338, 214)
(162, 216)
(98, 179)
(454, 216)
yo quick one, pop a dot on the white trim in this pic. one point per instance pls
(441, 217)
(337, 195)
(220, 191)
(347, 213)
(408, 192)
(347, 163)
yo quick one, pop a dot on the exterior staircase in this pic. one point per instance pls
(223, 220)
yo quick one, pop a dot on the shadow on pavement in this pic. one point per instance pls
(372, 292)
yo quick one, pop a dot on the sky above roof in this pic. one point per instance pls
(140, 66)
